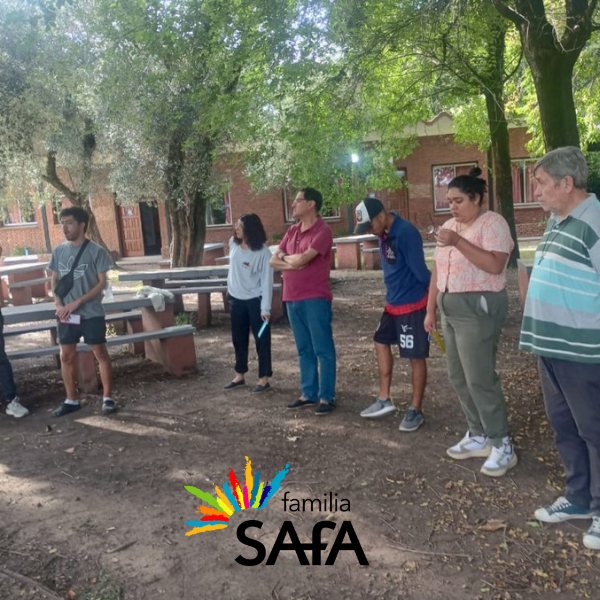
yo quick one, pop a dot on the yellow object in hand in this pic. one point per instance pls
(440, 342)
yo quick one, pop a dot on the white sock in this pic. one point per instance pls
(75, 402)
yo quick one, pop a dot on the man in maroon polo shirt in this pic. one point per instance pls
(304, 256)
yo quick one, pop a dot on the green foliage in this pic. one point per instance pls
(593, 160)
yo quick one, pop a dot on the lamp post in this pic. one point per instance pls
(350, 214)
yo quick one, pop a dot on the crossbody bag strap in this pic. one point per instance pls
(76, 261)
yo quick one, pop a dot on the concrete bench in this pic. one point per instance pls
(523, 275)
(133, 320)
(348, 250)
(371, 259)
(203, 292)
(30, 283)
(23, 291)
(177, 353)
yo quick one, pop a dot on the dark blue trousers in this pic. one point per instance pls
(572, 397)
(7, 379)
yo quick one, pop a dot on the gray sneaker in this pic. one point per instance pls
(413, 419)
(378, 409)
(16, 409)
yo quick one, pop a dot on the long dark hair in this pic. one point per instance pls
(470, 184)
(254, 232)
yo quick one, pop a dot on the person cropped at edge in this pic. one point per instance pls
(407, 280)
(80, 313)
(250, 291)
(469, 287)
(561, 325)
(14, 408)
(304, 256)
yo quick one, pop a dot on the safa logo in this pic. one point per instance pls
(256, 494)
(233, 498)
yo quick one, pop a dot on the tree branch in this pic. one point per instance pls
(509, 13)
(51, 177)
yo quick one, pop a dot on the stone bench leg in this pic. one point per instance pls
(54, 340)
(178, 355)
(154, 321)
(204, 315)
(136, 348)
(21, 296)
(226, 302)
(87, 378)
(277, 306)
(372, 261)
(522, 281)
(348, 256)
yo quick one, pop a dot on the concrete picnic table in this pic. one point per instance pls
(212, 252)
(157, 277)
(18, 273)
(347, 250)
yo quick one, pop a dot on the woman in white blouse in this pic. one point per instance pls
(250, 291)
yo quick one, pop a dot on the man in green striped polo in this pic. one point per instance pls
(561, 325)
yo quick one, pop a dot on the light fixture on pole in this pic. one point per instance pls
(350, 209)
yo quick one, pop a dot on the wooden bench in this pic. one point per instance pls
(177, 353)
(203, 293)
(371, 259)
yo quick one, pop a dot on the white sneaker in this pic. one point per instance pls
(591, 539)
(378, 409)
(471, 446)
(16, 409)
(562, 510)
(500, 460)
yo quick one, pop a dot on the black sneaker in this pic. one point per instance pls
(300, 403)
(324, 408)
(108, 406)
(65, 409)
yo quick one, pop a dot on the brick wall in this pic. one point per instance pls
(441, 150)
(430, 151)
(268, 206)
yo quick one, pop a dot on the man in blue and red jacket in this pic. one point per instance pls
(407, 280)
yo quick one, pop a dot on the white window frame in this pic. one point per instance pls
(288, 196)
(433, 182)
(522, 162)
(227, 209)
(20, 223)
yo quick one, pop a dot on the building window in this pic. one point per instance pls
(219, 212)
(288, 195)
(19, 213)
(523, 182)
(442, 176)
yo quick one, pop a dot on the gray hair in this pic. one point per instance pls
(566, 161)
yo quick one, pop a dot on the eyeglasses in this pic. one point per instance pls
(296, 200)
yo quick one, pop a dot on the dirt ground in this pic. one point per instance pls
(93, 507)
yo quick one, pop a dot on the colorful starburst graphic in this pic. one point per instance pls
(233, 498)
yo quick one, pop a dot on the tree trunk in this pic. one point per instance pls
(553, 77)
(502, 167)
(76, 199)
(198, 230)
(552, 57)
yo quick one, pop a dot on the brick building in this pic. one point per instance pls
(143, 229)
